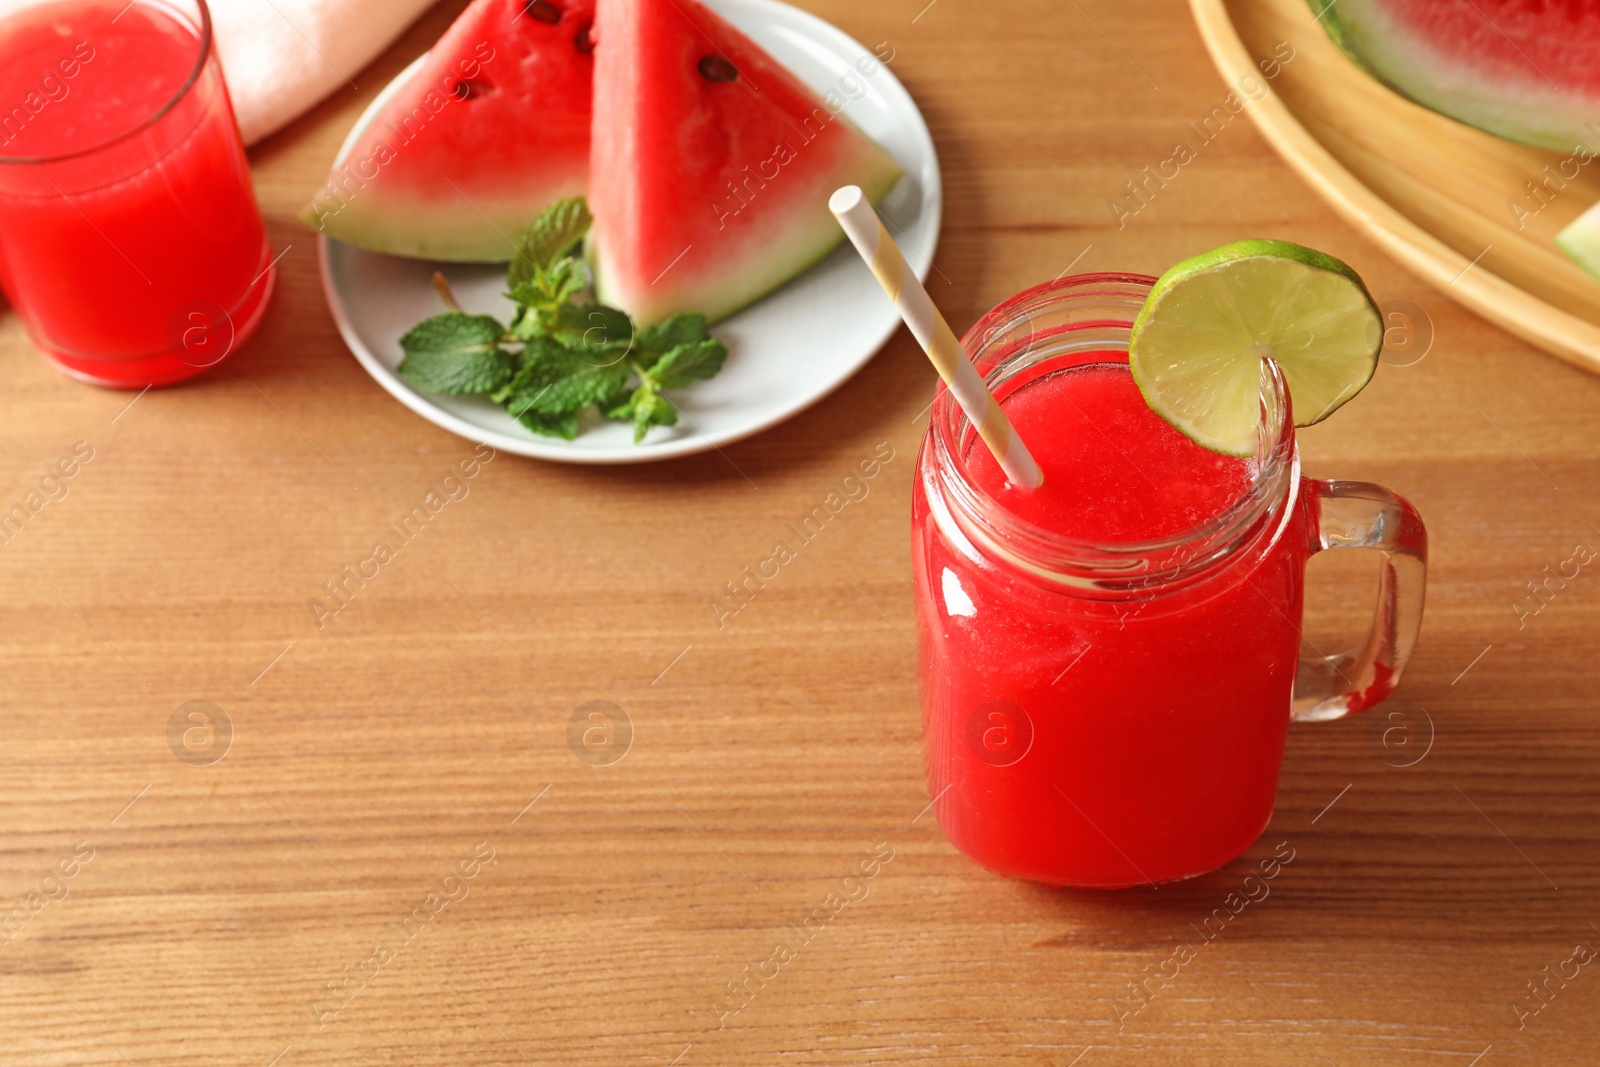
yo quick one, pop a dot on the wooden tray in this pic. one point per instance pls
(1436, 194)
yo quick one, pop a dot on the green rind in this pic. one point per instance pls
(449, 244)
(452, 232)
(1581, 240)
(1238, 250)
(1560, 127)
(1341, 37)
(444, 244)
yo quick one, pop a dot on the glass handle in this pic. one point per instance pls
(1363, 515)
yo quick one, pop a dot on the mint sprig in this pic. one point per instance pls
(558, 357)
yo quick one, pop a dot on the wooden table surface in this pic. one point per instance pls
(1445, 845)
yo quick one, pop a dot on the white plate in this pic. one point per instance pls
(785, 353)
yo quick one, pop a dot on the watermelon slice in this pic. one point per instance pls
(1527, 70)
(711, 164)
(491, 129)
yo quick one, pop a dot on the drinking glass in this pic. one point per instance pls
(137, 257)
(1114, 714)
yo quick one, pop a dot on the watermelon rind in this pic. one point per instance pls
(1320, 11)
(1581, 240)
(480, 232)
(1530, 111)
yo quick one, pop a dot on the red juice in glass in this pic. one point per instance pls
(130, 239)
(1110, 663)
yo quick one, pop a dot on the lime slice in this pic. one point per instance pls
(1199, 341)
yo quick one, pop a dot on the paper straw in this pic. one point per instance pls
(866, 232)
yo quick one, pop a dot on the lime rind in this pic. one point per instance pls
(1199, 341)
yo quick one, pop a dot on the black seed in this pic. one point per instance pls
(717, 69)
(543, 11)
(584, 41)
(471, 88)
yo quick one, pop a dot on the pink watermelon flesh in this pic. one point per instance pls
(711, 164)
(1527, 70)
(490, 130)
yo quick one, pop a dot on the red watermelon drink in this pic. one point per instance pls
(130, 240)
(1109, 662)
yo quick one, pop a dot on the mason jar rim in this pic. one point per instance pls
(1095, 312)
(203, 54)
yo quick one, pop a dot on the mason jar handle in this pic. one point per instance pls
(1363, 515)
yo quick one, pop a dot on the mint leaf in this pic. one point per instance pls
(564, 425)
(546, 242)
(689, 363)
(524, 323)
(592, 329)
(457, 374)
(620, 406)
(567, 279)
(558, 285)
(684, 328)
(538, 350)
(455, 354)
(454, 331)
(650, 408)
(557, 381)
(617, 397)
(501, 394)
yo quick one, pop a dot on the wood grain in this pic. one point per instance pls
(1471, 213)
(371, 757)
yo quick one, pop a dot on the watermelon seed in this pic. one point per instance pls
(471, 88)
(584, 42)
(717, 69)
(543, 11)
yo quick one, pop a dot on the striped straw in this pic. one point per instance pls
(866, 232)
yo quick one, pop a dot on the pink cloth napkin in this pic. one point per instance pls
(281, 57)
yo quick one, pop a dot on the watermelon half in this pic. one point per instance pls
(491, 129)
(1527, 70)
(711, 165)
